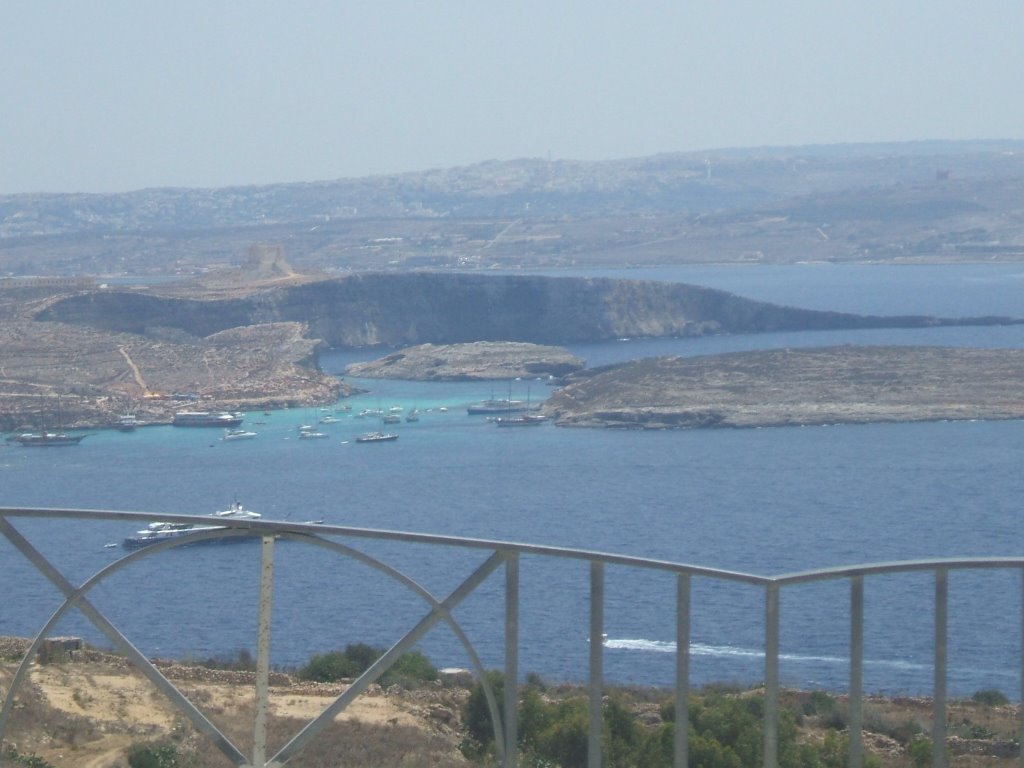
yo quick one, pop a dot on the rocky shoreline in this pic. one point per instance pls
(475, 361)
(787, 387)
(56, 375)
(79, 359)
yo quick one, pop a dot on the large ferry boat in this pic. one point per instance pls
(207, 419)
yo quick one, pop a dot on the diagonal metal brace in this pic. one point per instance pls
(76, 597)
(381, 665)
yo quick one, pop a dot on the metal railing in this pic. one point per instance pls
(494, 555)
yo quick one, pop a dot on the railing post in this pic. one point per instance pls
(682, 745)
(511, 659)
(856, 670)
(939, 687)
(259, 749)
(771, 677)
(596, 662)
(1021, 724)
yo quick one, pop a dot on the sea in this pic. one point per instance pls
(765, 501)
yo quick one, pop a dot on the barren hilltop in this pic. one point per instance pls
(907, 202)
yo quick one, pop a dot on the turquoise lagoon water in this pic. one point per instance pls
(765, 501)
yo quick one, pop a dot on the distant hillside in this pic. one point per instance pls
(925, 200)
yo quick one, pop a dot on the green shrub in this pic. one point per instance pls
(726, 731)
(158, 755)
(409, 669)
(326, 668)
(564, 742)
(991, 697)
(477, 714)
(920, 751)
(242, 661)
(820, 703)
(11, 756)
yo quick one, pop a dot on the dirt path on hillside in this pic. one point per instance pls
(136, 373)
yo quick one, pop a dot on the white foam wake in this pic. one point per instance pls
(730, 651)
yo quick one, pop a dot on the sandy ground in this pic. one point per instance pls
(125, 708)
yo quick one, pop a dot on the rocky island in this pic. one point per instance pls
(476, 361)
(829, 385)
(251, 341)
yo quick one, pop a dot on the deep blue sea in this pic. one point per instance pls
(763, 500)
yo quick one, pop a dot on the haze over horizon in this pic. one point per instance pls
(122, 96)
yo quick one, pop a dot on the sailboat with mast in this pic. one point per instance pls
(524, 417)
(46, 439)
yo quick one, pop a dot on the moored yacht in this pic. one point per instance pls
(159, 531)
(377, 437)
(207, 419)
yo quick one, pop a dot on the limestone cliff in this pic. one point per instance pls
(415, 308)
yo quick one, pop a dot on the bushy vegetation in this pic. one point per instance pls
(991, 697)
(11, 756)
(725, 731)
(156, 755)
(410, 670)
(242, 661)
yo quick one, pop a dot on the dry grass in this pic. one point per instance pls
(89, 714)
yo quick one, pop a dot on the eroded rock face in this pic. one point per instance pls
(477, 361)
(398, 310)
(831, 385)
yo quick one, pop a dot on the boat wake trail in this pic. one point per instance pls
(729, 651)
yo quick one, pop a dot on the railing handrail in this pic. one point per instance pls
(509, 553)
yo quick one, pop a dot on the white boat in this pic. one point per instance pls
(311, 434)
(207, 419)
(237, 434)
(524, 420)
(492, 407)
(127, 422)
(154, 533)
(329, 419)
(236, 511)
(46, 439)
(377, 437)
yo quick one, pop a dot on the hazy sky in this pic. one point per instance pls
(116, 95)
